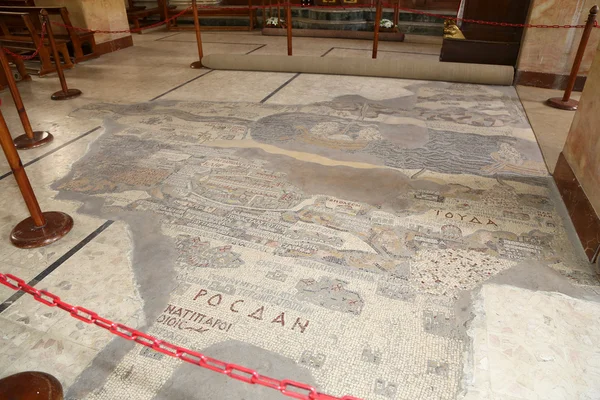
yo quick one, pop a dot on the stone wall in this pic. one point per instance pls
(95, 14)
(577, 173)
(551, 51)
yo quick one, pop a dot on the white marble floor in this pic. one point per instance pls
(526, 341)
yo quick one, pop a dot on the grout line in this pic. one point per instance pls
(52, 267)
(389, 51)
(179, 86)
(327, 52)
(164, 37)
(258, 48)
(54, 150)
(279, 88)
(205, 42)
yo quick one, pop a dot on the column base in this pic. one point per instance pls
(69, 94)
(196, 65)
(40, 138)
(557, 102)
(26, 235)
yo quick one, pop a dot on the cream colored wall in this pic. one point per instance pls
(582, 149)
(552, 50)
(95, 14)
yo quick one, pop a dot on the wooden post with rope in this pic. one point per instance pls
(197, 64)
(65, 93)
(566, 103)
(31, 139)
(288, 18)
(376, 35)
(40, 229)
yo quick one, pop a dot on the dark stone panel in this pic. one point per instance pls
(583, 216)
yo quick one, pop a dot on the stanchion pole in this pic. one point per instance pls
(396, 13)
(566, 103)
(278, 14)
(197, 64)
(65, 93)
(288, 17)
(41, 228)
(376, 35)
(31, 138)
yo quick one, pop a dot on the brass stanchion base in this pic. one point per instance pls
(196, 65)
(40, 138)
(557, 102)
(27, 236)
(69, 94)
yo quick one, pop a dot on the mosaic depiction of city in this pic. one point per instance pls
(337, 235)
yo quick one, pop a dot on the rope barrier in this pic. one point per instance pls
(37, 50)
(286, 387)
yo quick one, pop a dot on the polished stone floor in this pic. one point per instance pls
(381, 238)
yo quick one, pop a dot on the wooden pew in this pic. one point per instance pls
(132, 7)
(230, 12)
(17, 3)
(82, 43)
(22, 75)
(137, 13)
(20, 36)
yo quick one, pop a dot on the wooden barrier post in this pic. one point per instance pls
(288, 17)
(278, 15)
(376, 35)
(65, 93)
(566, 103)
(396, 13)
(197, 64)
(41, 228)
(30, 139)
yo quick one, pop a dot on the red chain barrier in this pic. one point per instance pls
(343, 7)
(135, 30)
(481, 22)
(287, 387)
(37, 50)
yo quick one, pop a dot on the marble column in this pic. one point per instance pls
(547, 54)
(577, 173)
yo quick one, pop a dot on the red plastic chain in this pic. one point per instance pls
(287, 387)
(481, 22)
(337, 7)
(37, 50)
(134, 30)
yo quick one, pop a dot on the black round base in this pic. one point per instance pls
(69, 94)
(40, 138)
(557, 102)
(196, 65)
(28, 236)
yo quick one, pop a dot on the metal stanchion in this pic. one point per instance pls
(566, 103)
(31, 138)
(65, 93)
(41, 228)
(197, 64)
(288, 17)
(376, 35)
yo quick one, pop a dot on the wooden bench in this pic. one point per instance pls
(17, 3)
(137, 13)
(21, 75)
(83, 44)
(20, 35)
(229, 12)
